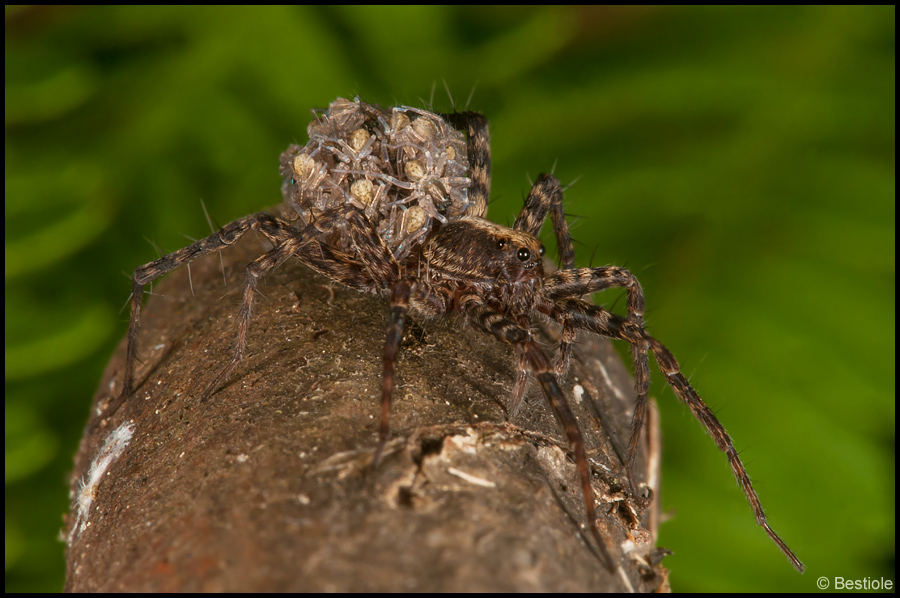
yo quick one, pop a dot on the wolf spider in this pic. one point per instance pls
(459, 263)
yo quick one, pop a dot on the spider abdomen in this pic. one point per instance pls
(406, 169)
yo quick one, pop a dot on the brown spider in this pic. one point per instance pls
(393, 202)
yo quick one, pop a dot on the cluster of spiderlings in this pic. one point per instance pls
(403, 167)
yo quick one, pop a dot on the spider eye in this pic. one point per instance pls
(501, 244)
(523, 254)
(542, 249)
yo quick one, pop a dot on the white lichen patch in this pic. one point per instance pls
(471, 478)
(111, 450)
(578, 391)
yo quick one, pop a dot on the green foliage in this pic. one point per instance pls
(739, 160)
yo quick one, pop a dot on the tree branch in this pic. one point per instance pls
(268, 486)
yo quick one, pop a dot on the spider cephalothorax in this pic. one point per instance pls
(475, 254)
(394, 202)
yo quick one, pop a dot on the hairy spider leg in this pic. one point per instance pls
(515, 401)
(598, 320)
(354, 268)
(504, 329)
(478, 148)
(364, 266)
(275, 229)
(584, 281)
(255, 270)
(399, 306)
(369, 265)
(545, 197)
(365, 263)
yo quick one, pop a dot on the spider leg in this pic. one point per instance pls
(519, 387)
(275, 229)
(399, 307)
(584, 281)
(356, 270)
(305, 246)
(478, 148)
(494, 323)
(369, 266)
(271, 260)
(365, 264)
(598, 320)
(546, 197)
(521, 377)
(581, 314)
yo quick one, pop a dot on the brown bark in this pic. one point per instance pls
(268, 486)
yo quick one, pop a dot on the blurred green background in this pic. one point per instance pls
(739, 161)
